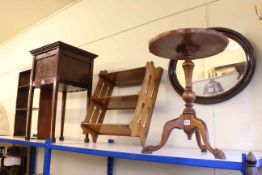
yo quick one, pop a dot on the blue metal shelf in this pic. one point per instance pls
(236, 160)
(214, 163)
(22, 141)
(33, 144)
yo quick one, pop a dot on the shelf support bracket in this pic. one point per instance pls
(32, 160)
(47, 157)
(110, 165)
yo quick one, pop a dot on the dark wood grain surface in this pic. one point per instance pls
(201, 42)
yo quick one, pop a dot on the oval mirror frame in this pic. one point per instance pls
(251, 64)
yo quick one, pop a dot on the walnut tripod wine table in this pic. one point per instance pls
(188, 44)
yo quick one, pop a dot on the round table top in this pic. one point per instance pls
(203, 43)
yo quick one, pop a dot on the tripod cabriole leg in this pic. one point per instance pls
(168, 127)
(198, 138)
(202, 128)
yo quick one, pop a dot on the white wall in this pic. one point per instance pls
(119, 31)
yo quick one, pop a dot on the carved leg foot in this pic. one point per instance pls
(202, 128)
(169, 126)
(198, 138)
(53, 139)
(219, 154)
(61, 138)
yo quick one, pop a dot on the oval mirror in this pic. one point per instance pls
(223, 76)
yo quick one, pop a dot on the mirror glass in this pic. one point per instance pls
(221, 76)
(216, 74)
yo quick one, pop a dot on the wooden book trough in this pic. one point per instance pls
(148, 78)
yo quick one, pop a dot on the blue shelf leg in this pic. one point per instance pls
(47, 157)
(110, 165)
(32, 160)
(244, 158)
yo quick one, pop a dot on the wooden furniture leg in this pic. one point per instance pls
(44, 113)
(198, 139)
(200, 125)
(89, 89)
(53, 113)
(89, 93)
(168, 127)
(29, 113)
(64, 93)
(86, 140)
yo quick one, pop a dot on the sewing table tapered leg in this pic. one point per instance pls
(53, 113)
(89, 93)
(61, 138)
